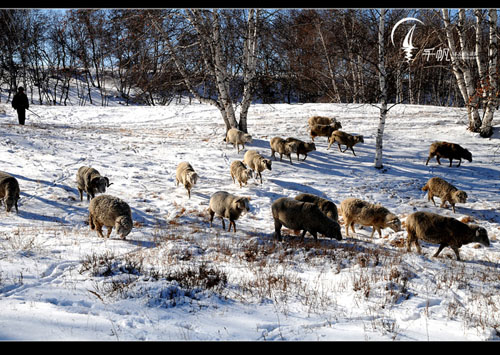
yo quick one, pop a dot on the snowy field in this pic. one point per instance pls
(174, 278)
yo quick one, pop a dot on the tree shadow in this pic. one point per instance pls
(291, 185)
(69, 209)
(48, 183)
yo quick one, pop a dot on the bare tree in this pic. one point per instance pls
(461, 68)
(486, 89)
(203, 29)
(249, 65)
(334, 96)
(350, 26)
(490, 87)
(227, 57)
(383, 92)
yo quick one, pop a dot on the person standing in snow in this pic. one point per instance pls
(20, 103)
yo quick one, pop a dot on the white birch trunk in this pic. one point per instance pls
(221, 76)
(475, 119)
(486, 129)
(460, 69)
(479, 53)
(383, 90)
(249, 66)
(208, 31)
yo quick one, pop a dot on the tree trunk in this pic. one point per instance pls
(352, 62)
(221, 75)
(486, 130)
(461, 70)
(479, 54)
(249, 66)
(383, 92)
(208, 32)
(399, 84)
(329, 62)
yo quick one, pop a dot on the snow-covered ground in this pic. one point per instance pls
(174, 278)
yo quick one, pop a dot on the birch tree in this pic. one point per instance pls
(461, 68)
(383, 92)
(486, 89)
(491, 86)
(249, 65)
(206, 34)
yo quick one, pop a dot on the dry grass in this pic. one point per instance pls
(187, 261)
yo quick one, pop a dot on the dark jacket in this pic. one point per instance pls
(20, 101)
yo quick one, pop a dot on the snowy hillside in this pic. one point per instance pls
(174, 278)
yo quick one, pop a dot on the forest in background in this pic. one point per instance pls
(155, 56)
